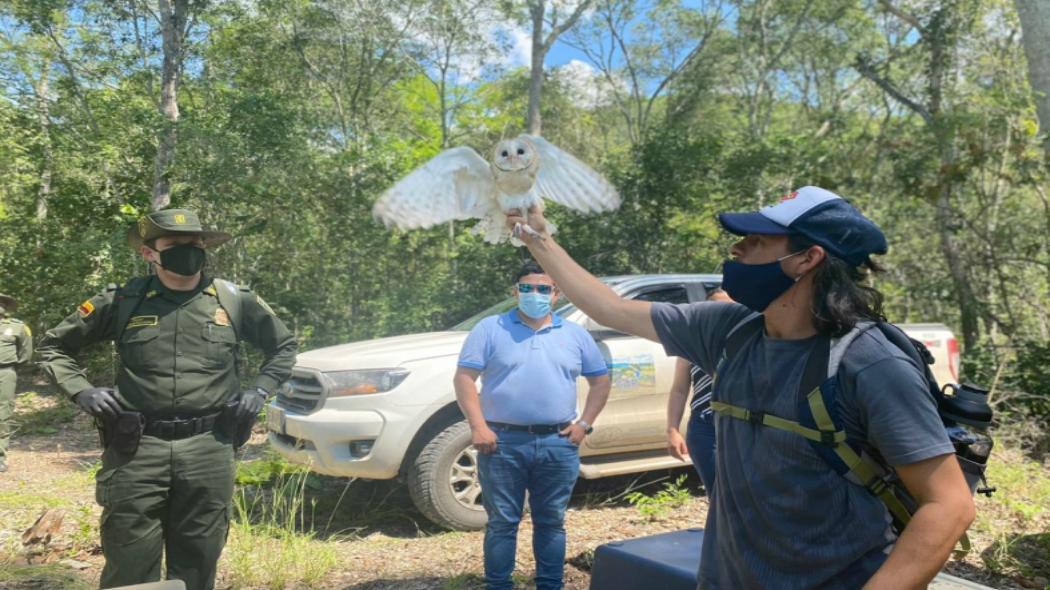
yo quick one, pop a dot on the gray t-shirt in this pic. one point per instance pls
(781, 517)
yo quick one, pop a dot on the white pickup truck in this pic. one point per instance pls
(385, 408)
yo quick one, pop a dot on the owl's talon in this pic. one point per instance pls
(519, 228)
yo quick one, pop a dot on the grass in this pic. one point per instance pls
(263, 471)
(50, 576)
(270, 545)
(37, 414)
(1017, 517)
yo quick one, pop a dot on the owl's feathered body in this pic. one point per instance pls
(460, 184)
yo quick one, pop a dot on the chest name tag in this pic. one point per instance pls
(141, 321)
(221, 317)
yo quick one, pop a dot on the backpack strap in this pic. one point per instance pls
(916, 351)
(831, 442)
(741, 334)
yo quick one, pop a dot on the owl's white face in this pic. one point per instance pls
(511, 155)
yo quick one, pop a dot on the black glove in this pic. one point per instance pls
(251, 402)
(98, 401)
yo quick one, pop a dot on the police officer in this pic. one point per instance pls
(167, 473)
(16, 348)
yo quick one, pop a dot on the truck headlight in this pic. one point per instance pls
(343, 383)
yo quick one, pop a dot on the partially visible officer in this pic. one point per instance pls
(16, 348)
(171, 426)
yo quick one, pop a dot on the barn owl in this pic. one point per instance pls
(459, 184)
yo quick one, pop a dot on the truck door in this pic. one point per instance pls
(635, 416)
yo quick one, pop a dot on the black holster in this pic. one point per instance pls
(239, 430)
(121, 432)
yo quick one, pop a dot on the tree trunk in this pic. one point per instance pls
(1035, 26)
(539, 52)
(43, 114)
(946, 224)
(173, 33)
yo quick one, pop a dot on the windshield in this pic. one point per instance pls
(563, 309)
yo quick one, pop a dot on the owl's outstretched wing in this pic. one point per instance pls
(565, 180)
(455, 184)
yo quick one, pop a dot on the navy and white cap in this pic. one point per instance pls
(820, 216)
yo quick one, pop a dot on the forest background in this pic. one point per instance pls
(282, 121)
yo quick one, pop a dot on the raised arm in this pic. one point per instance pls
(588, 293)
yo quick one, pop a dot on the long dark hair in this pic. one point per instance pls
(841, 295)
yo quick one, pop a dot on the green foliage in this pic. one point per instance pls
(296, 116)
(662, 503)
(267, 470)
(1018, 376)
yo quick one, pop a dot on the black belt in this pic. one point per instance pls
(178, 429)
(531, 428)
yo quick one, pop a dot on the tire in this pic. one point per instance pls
(443, 481)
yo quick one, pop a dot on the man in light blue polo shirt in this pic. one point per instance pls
(522, 423)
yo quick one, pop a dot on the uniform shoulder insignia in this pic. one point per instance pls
(26, 328)
(86, 309)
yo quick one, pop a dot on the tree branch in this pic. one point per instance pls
(865, 69)
(556, 31)
(904, 16)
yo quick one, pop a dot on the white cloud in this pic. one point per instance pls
(515, 44)
(586, 85)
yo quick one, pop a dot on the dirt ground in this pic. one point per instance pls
(379, 539)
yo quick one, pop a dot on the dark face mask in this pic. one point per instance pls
(756, 285)
(185, 259)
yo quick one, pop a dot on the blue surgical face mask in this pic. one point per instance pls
(756, 285)
(535, 305)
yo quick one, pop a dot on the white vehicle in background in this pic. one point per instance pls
(385, 408)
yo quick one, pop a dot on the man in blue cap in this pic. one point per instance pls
(782, 516)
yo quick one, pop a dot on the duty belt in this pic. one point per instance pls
(530, 428)
(177, 429)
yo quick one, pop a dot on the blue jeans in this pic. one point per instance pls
(546, 465)
(700, 438)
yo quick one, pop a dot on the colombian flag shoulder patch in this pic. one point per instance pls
(86, 309)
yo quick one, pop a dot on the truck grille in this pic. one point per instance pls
(303, 393)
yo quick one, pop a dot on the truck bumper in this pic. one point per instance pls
(335, 442)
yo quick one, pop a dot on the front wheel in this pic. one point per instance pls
(443, 480)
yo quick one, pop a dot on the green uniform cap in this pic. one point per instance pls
(7, 302)
(173, 222)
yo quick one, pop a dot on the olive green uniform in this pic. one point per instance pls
(16, 348)
(178, 355)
